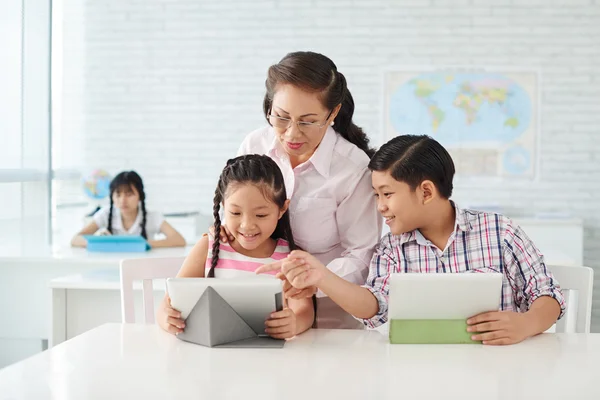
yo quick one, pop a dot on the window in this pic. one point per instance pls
(24, 121)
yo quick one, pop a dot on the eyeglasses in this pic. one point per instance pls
(303, 126)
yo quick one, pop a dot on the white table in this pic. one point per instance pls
(25, 299)
(140, 361)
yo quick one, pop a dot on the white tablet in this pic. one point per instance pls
(253, 299)
(443, 296)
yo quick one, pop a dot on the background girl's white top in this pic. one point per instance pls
(153, 222)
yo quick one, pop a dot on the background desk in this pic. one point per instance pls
(87, 300)
(25, 306)
(141, 361)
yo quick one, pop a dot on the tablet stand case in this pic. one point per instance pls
(214, 323)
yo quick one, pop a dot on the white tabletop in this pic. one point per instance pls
(141, 361)
(66, 254)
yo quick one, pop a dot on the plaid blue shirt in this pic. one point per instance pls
(481, 242)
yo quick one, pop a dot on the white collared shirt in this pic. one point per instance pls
(333, 211)
(153, 222)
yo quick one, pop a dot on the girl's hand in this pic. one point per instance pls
(168, 318)
(281, 324)
(224, 235)
(102, 232)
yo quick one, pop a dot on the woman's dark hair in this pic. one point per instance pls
(314, 72)
(257, 170)
(412, 159)
(129, 179)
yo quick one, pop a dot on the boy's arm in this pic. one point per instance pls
(542, 314)
(368, 302)
(538, 297)
(531, 279)
(354, 299)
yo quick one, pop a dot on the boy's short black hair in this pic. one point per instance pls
(413, 159)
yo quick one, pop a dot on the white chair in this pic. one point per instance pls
(145, 270)
(577, 286)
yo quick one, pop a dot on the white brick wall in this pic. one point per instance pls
(170, 88)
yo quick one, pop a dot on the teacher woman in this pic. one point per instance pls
(323, 156)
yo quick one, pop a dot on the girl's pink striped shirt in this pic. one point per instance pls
(235, 265)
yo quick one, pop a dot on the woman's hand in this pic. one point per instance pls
(225, 236)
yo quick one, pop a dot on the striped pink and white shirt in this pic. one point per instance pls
(481, 242)
(232, 264)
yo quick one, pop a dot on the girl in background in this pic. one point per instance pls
(127, 215)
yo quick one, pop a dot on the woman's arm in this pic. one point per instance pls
(78, 240)
(173, 238)
(359, 226)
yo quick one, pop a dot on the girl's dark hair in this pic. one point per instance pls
(412, 159)
(129, 179)
(314, 72)
(257, 170)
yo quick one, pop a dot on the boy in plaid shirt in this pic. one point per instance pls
(412, 180)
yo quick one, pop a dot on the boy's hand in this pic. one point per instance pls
(291, 292)
(499, 327)
(281, 324)
(300, 268)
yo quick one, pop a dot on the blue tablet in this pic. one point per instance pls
(117, 244)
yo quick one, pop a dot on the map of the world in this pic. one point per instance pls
(487, 120)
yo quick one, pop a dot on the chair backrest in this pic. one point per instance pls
(577, 285)
(145, 270)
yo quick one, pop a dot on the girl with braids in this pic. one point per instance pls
(324, 158)
(252, 193)
(127, 215)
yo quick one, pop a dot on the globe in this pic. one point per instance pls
(96, 185)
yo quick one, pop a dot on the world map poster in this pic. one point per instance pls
(487, 119)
